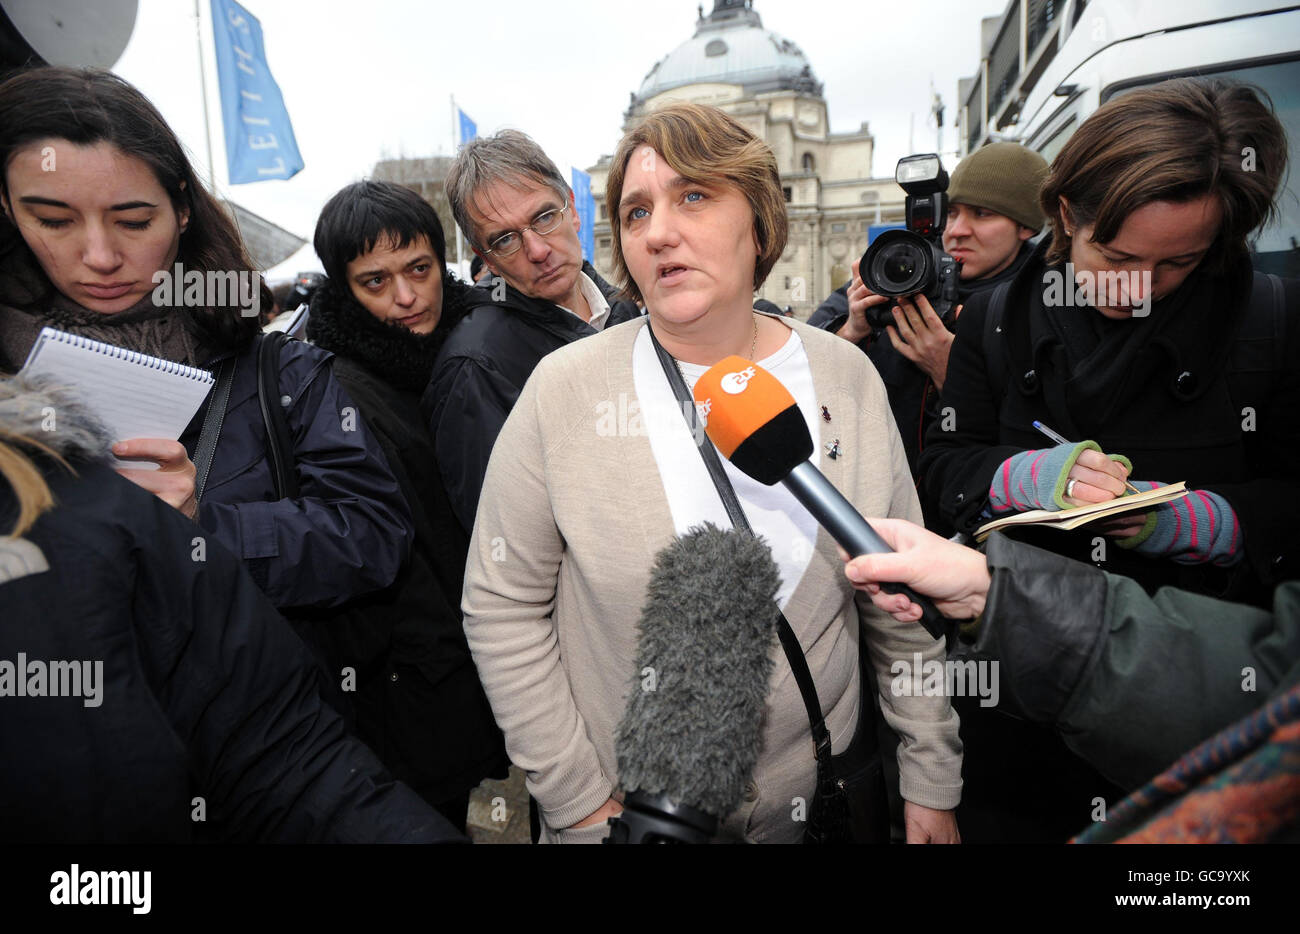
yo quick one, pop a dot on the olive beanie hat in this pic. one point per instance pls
(1003, 177)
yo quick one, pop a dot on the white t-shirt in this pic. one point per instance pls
(773, 512)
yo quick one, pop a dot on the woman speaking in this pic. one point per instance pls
(573, 513)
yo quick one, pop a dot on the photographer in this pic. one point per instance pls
(992, 211)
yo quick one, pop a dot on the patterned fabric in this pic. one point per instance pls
(1194, 529)
(1240, 786)
(1038, 479)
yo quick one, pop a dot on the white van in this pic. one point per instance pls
(1103, 48)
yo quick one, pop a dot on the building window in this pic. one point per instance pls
(604, 243)
(604, 212)
(808, 164)
(789, 194)
(839, 228)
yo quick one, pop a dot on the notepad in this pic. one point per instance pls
(1082, 515)
(133, 394)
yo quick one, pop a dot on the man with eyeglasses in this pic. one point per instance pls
(518, 214)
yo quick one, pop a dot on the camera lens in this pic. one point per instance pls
(899, 268)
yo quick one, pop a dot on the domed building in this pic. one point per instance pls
(768, 85)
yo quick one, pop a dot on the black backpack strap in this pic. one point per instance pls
(995, 360)
(279, 441)
(215, 417)
(1279, 323)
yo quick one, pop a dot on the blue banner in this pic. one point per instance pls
(468, 128)
(875, 230)
(586, 214)
(259, 137)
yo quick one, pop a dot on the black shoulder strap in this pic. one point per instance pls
(278, 439)
(1279, 324)
(789, 641)
(212, 422)
(995, 361)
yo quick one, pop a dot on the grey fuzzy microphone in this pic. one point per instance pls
(687, 746)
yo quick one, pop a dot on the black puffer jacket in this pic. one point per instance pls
(418, 700)
(203, 690)
(1203, 390)
(482, 369)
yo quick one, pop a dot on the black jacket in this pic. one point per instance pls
(912, 396)
(482, 369)
(1130, 681)
(205, 691)
(418, 701)
(1210, 396)
(348, 531)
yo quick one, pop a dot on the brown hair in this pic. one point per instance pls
(1176, 141)
(88, 106)
(704, 145)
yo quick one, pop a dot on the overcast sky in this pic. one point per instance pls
(364, 80)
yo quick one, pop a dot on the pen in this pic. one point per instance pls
(1059, 440)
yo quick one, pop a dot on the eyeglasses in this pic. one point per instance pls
(543, 224)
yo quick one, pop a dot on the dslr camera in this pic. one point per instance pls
(912, 261)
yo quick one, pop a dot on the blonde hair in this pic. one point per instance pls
(704, 145)
(25, 479)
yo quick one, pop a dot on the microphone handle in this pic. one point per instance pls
(854, 534)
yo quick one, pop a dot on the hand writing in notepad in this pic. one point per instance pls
(1096, 478)
(172, 482)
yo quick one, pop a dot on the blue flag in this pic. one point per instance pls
(259, 137)
(586, 214)
(468, 128)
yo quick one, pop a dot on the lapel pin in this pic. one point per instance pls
(826, 413)
(833, 449)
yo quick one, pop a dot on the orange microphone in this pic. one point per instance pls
(755, 423)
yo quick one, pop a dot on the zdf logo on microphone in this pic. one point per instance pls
(735, 383)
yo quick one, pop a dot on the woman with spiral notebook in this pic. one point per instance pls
(101, 206)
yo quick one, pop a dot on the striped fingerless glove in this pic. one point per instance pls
(1037, 479)
(1195, 529)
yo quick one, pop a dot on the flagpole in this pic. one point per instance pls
(455, 146)
(203, 86)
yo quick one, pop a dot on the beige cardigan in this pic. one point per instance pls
(568, 524)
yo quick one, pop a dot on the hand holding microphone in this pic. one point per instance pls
(755, 423)
(956, 577)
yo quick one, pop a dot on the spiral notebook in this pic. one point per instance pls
(133, 394)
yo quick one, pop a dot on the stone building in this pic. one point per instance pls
(425, 176)
(767, 84)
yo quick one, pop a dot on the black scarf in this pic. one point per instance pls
(1101, 363)
(340, 324)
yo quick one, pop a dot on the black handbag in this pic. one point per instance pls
(849, 805)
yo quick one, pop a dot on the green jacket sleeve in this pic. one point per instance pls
(1130, 681)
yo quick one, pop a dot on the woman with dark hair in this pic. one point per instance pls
(384, 310)
(102, 210)
(1139, 332)
(1139, 327)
